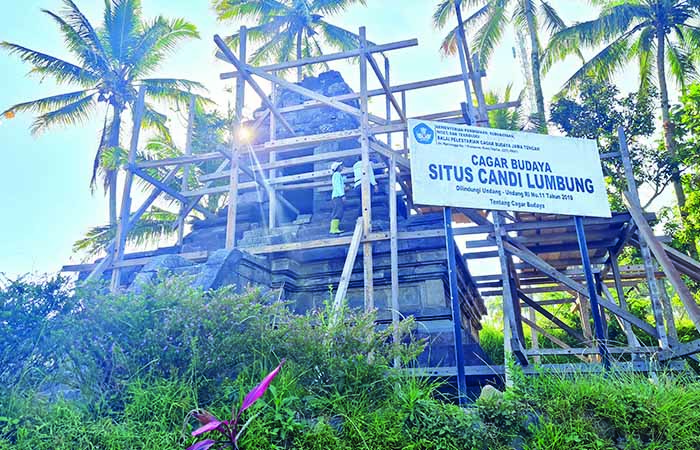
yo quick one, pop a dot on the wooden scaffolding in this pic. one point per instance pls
(536, 252)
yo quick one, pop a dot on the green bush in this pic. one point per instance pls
(28, 337)
(144, 361)
(613, 411)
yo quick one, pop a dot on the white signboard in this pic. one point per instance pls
(486, 168)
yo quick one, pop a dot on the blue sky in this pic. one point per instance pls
(45, 201)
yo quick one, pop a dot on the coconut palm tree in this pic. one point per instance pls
(288, 27)
(110, 63)
(491, 18)
(661, 35)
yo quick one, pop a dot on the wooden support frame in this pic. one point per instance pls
(245, 74)
(232, 212)
(325, 58)
(537, 329)
(123, 224)
(344, 282)
(527, 256)
(552, 318)
(631, 200)
(186, 170)
(365, 189)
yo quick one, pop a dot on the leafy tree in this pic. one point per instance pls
(159, 223)
(110, 63)
(288, 27)
(660, 35)
(596, 112)
(686, 116)
(492, 17)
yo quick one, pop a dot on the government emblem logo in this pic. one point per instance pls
(423, 133)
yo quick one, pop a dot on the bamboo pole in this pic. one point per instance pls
(365, 186)
(393, 223)
(186, 170)
(649, 266)
(231, 216)
(123, 224)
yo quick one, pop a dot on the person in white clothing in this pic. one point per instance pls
(357, 172)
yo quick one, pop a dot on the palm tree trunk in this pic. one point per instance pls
(299, 42)
(667, 123)
(115, 129)
(536, 70)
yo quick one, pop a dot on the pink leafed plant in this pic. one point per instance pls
(229, 430)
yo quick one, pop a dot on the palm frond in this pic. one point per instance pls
(121, 22)
(490, 33)
(88, 55)
(612, 23)
(643, 48)
(77, 21)
(155, 224)
(158, 39)
(607, 61)
(331, 7)
(270, 49)
(552, 20)
(449, 43)
(681, 63)
(78, 111)
(337, 37)
(47, 104)
(227, 10)
(173, 90)
(261, 34)
(60, 70)
(153, 120)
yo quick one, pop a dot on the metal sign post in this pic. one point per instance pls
(456, 308)
(592, 294)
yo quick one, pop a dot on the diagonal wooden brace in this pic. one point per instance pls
(529, 257)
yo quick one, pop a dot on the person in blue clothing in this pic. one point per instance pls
(337, 196)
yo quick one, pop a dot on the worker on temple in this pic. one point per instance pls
(357, 185)
(337, 196)
(357, 172)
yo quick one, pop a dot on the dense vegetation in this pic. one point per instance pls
(104, 371)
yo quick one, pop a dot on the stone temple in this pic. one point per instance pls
(305, 277)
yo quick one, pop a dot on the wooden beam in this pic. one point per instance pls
(234, 164)
(284, 163)
(324, 58)
(592, 351)
(344, 281)
(388, 153)
(186, 170)
(170, 191)
(529, 257)
(385, 85)
(100, 267)
(245, 73)
(123, 224)
(365, 188)
(280, 145)
(535, 350)
(682, 350)
(135, 262)
(326, 173)
(246, 70)
(509, 325)
(570, 368)
(551, 317)
(394, 254)
(402, 88)
(662, 257)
